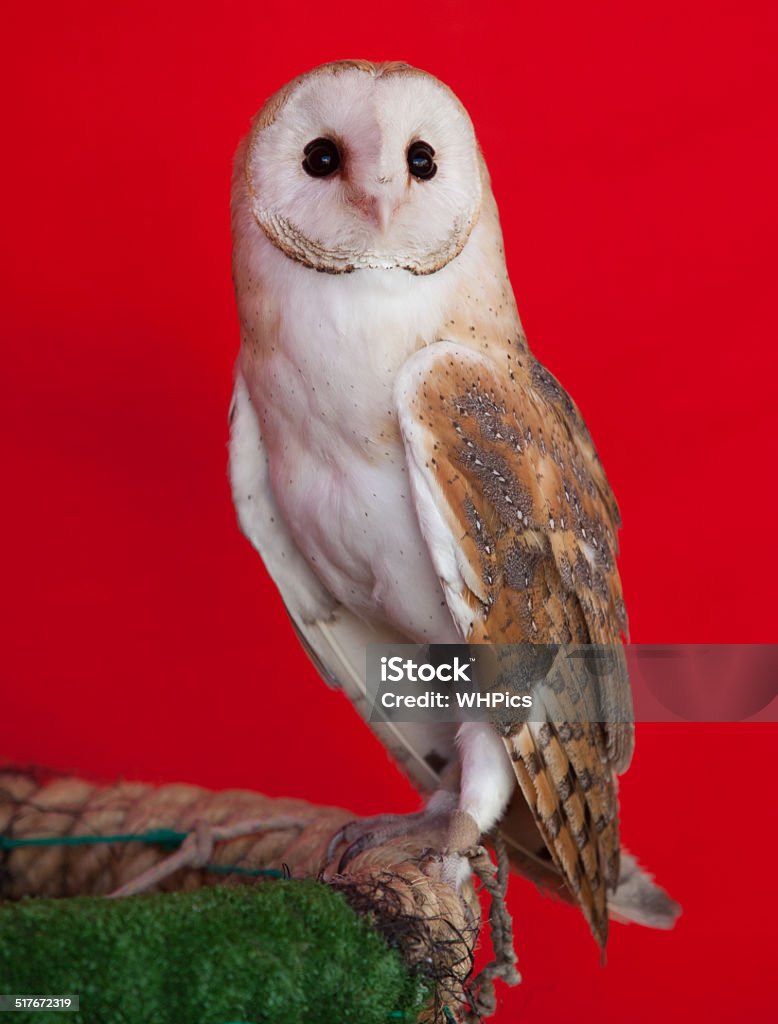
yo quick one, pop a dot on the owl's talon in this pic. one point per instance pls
(364, 842)
(339, 837)
(367, 833)
(475, 853)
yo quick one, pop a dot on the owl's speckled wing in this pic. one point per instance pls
(521, 524)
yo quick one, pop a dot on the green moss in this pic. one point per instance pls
(282, 952)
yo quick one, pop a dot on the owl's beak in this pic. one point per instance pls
(381, 210)
(378, 207)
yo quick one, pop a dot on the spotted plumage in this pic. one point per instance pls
(410, 472)
(519, 483)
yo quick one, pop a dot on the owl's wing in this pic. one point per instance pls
(333, 637)
(521, 525)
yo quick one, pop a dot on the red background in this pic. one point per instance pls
(633, 153)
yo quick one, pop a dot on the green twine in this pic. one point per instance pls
(161, 836)
(165, 837)
(236, 869)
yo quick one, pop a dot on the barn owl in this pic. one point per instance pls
(408, 471)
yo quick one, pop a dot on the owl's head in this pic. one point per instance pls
(357, 165)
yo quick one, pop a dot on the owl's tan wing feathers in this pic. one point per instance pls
(521, 523)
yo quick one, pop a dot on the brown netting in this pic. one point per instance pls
(396, 883)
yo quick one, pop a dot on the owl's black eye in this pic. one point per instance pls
(420, 162)
(322, 157)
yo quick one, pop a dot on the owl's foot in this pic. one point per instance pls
(367, 833)
(462, 846)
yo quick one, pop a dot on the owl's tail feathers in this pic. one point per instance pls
(639, 899)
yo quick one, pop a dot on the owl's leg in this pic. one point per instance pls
(486, 787)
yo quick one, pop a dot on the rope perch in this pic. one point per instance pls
(51, 844)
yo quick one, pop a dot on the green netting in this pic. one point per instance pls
(282, 952)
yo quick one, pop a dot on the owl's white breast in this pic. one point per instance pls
(320, 356)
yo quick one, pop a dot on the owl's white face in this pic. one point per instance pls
(363, 166)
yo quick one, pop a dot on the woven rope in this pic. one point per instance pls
(434, 928)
